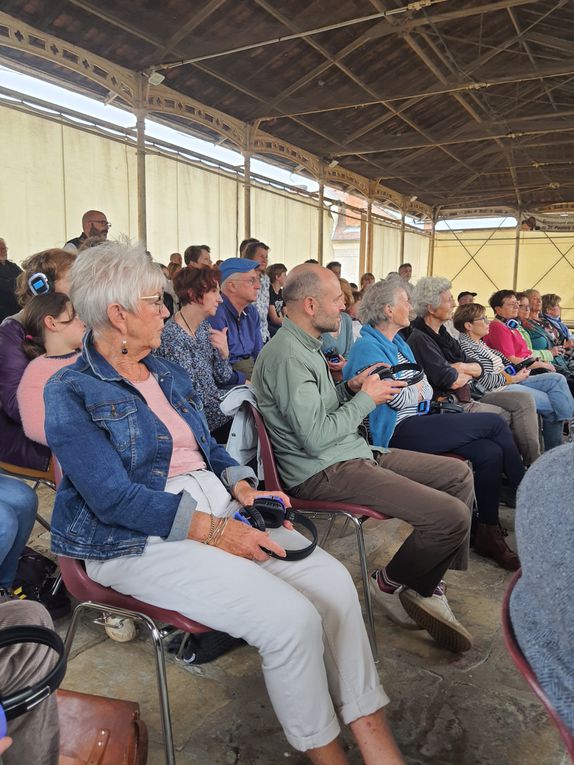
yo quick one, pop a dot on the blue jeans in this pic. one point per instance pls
(554, 402)
(18, 504)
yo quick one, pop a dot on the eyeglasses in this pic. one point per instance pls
(251, 281)
(105, 223)
(524, 307)
(485, 319)
(510, 303)
(156, 301)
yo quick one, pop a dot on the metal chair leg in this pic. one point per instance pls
(370, 622)
(156, 637)
(328, 530)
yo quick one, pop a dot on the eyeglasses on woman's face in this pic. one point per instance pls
(484, 319)
(155, 300)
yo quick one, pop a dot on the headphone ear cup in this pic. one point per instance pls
(255, 518)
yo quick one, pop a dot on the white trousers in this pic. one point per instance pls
(304, 617)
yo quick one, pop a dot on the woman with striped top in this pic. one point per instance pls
(550, 391)
(483, 438)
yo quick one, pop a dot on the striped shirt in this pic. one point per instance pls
(492, 362)
(407, 400)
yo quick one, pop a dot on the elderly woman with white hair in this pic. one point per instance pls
(149, 501)
(452, 371)
(484, 439)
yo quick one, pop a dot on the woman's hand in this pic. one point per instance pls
(238, 538)
(245, 494)
(5, 743)
(543, 365)
(218, 339)
(462, 379)
(521, 375)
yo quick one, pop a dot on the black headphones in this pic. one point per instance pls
(269, 513)
(18, 702)
(388, 373)
(510, 323)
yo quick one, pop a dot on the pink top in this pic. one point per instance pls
(508, 341)
(30, 392)
(185, 456)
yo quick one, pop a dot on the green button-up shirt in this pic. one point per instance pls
(311, 421)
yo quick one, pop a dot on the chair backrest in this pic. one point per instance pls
(526, 670)
(271, 474)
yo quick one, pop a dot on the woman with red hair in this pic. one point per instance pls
(201, 350)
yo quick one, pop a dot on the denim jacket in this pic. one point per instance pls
(115, 454)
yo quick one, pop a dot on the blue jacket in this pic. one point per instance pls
(115, 455)
(374, 348)
(243, 332)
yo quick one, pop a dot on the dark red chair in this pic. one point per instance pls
(104, 600)
(357, 515)
(526, 670)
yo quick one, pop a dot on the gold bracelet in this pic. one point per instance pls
(209, 537)
(219, 533)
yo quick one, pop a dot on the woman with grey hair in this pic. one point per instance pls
(454, 372)
(149, 500)
(484, 439)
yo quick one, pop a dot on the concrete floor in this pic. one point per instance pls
(445, 709)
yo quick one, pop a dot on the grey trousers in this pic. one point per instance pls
(36, 734)
(518, 408)
(435, 495)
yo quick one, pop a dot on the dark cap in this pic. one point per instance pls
(462, 294)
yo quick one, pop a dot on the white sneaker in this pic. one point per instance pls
(435, 616)
(391, 605)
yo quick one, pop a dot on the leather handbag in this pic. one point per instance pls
(98, 731)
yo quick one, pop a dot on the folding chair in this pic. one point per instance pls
(526, 670)
(93, 596)
(356, 514)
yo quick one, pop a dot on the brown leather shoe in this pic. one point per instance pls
(490, 543)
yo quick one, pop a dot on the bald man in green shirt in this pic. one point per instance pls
(313, 425)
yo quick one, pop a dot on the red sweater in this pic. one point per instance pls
(508, 341)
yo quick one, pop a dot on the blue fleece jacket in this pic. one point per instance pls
(374, 348)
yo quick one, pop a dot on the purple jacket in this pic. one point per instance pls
(15, 448)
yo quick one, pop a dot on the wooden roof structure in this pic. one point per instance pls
(429, 104)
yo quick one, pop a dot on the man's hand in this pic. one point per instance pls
(356, 383)
(461, 380)
(382, 391)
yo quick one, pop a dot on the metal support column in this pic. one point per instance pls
(140, 160)
(516, 250)
(369, 254)
(430, 266)
(402, 250)
(247, 195)
(321, 210)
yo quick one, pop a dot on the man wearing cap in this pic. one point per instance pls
(466, 297)
(239, 288)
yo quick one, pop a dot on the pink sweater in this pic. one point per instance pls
(508, 341)
(30, 392)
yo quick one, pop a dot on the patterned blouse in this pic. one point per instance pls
(209, 373)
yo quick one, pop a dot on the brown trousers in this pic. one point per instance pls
(36, 734)
(435, 495)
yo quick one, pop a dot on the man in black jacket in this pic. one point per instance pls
(8, 274)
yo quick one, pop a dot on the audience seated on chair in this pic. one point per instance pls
(453, 373)
(277, 274)
(541, 605)
(549, 391)
(148, 501)
(482, 438)
(52, 341)
(259, 252)
(50, 269)
(189, 340)
(313, 428)
(238, 313)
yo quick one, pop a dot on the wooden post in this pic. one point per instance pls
(247, 195)
(320, 227)
(140, 160)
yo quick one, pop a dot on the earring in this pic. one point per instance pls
(125, 347)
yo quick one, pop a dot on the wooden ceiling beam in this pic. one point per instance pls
(194, 21)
